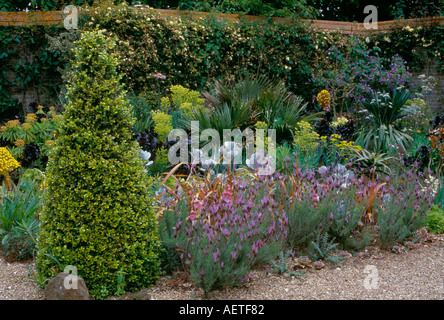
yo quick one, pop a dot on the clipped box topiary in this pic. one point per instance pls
(97, 213)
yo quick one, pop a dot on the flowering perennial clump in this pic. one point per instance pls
(185, 99)
(7, 164)
(19, 143)
(324, 100)
(305, 138)
(12, 123)
(31, 117)
(220, 236)
(339, 122)
(162, 124)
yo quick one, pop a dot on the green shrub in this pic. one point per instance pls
(434, 220)
(384, 111)
(163, 124)
(19, 218)
(97, 212)
(161, 163)
(346, 223)
(221, 237)
(305, 220)
(141, 111)
(251, 99)
(400, 216)
(305, 138)
(184, 99)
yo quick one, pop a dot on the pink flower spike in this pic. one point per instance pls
(159, 76)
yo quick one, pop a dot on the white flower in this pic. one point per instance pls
(208, 162)
(432, 185)
(145, 156)
(322, 170)
(195, 155)
(230, 150)
(343, 176)
(264, 165)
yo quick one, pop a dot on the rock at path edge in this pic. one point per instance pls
(55, 289)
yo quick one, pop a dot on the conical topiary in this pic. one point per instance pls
(97, 212)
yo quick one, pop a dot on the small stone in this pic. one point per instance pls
(398, 249)
(318, 265)
(55, 289)
(412, 245)
(304, 260)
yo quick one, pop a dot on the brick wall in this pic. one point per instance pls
(435, 100)
(33, 92)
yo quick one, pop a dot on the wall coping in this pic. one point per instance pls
(56, 17)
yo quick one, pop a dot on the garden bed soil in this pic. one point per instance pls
(403, 273)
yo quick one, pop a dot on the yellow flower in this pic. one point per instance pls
(19, 143)
(324, 99)
(26, 126)
(339, 122)
(12, 123)
(7, 161)
(40, 107)
(260, 125)
(305, 137)
(162, 124)
(43, 185)
(49, 143)
(3, 128)
(31, 117)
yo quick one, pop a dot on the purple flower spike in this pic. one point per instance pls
(216, 255)
(233, 255)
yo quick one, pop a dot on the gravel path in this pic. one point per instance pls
(406, 275)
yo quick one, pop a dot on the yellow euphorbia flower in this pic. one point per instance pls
(7, 164)
(324, 99)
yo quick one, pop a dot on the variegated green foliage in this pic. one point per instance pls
(97, 212)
